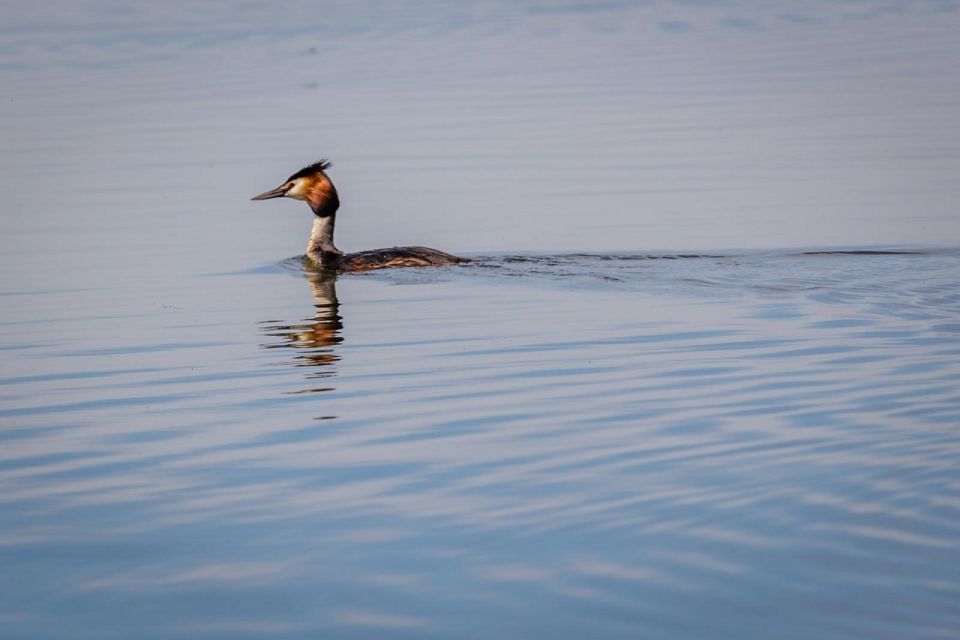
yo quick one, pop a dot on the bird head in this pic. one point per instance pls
(311, 185)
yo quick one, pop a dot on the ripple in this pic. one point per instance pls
(717, 431)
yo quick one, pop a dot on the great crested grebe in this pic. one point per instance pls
(312, 185)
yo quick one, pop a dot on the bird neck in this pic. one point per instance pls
(321, 247)
(324, 202)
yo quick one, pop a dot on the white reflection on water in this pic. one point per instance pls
(250, 573)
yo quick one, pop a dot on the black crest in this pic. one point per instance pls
(310, 169)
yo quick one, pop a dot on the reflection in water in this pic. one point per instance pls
(315, 337)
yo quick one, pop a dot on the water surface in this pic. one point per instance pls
(609, 425)
(536, 446)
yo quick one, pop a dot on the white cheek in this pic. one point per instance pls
(296, 191)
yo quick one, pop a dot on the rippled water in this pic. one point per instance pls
(575, 446)
(577, 435)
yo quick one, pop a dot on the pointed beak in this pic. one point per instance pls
(279, 192)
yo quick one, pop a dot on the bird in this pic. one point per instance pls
(312, 185)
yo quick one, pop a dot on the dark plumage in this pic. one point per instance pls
(396, 257)
(320, 165)
(312, 185)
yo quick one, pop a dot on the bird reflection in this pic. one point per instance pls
(315, 338)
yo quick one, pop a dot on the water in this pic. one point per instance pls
(608, 425)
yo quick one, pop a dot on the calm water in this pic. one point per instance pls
(609, 425)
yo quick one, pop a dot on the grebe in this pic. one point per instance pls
(312, 185)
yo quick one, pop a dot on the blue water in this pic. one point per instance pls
(609, 425)
(572, 446)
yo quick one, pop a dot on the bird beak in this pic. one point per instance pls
(279, 192)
